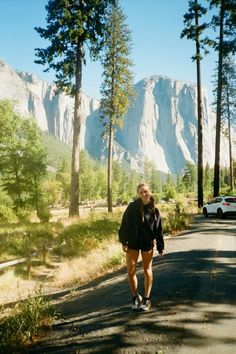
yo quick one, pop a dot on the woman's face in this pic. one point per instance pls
(144, 194)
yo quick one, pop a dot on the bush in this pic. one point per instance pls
(6, 214)
(177, 219)
(84, 236)
(6, 208)
(24, 243)
(43, 213)
(26, 321)
(23, 215)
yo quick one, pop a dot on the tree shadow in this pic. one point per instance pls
(96, 318)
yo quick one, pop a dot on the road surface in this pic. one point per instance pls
(193, 297)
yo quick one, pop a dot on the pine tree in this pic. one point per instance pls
(229, 105)
(193, 30)
(70, 25)
(225, 45)
(117, 86)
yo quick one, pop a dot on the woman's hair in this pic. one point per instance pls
(152, 200)
(142, 185)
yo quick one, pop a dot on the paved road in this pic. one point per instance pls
(194, 297)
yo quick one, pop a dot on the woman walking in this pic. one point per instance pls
(140, 226)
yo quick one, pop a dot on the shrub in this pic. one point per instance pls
(27, 320)
(177, 219)
(23, 215)
(43, 213)
(6, 214)
(85, 235)
(6, 208)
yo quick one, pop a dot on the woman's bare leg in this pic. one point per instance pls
(147, 267)
(131, 261)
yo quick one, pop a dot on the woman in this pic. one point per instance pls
(140, 226)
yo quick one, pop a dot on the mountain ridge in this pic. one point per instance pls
(161, 126)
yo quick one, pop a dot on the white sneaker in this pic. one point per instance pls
(136, 302)
(145, 305)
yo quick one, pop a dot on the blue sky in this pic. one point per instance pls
(157, 48)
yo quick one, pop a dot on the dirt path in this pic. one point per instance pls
(193, 302)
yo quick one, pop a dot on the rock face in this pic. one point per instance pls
(35, 97)
(160, 127)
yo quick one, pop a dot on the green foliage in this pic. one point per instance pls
(114, 261)
(85, 235)
(169, 189)
(117, 87)
(193, 31)
(124, 184)
(25, 239)
(92, 178)
(208, 178)
(6, 208)
(227, 12)
(22, 158)
(28, 319)
(177, 219)
(190, 177)
(43, 212)
(58, 153)
(70, 25)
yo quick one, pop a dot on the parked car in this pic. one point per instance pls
(220, 206)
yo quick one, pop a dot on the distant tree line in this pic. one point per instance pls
(27, 184)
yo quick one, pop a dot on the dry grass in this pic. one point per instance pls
(108, 256)
(8, 280)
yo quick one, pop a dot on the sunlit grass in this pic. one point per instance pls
(8, 280)
(87, 234)
(108, 256)
(24, 239)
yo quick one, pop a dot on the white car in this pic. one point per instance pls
(220, 206)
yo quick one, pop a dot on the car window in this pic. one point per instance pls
(217, 200)
(230, 200)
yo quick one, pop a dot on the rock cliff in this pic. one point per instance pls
(160, 127)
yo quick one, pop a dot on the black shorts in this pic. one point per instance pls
(141, 247)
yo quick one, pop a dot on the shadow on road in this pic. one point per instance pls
(96, 318)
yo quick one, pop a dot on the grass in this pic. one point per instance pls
(80, 245)
(24, 239)
(87, 234)
(85, 250)
(78, 270)
(25, 322)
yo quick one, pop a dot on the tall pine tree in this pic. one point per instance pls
(193, 30)
(70, 25)
(229, 105)
(117, 86)
(224, 45)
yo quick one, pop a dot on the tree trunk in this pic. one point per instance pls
(218, 108)
(199, 113)
(231, 180)
(109, 170)
(75, 166)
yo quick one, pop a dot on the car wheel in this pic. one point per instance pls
(220, 214)
(205, 213)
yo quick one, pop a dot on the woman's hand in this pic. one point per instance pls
(160, 253)
(125, 248)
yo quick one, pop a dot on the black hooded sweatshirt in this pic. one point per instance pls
(137, 229)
